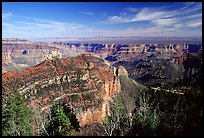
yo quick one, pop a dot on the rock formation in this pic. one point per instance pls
(85, 88)
(152, 71)
(53, 55)
(18, 57)
(122, 71)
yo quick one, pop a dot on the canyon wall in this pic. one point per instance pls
(84, 82)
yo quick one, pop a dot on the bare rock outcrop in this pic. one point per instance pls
(122, 71)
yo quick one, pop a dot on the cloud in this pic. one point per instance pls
(191, 7)
(199, 15)
(37, 27)
(123, 13)
(115, 18)
(150, 14)
(49, 28)
(7, 24)
(178, 25)
(156, 31)
(6, 15)
(63, 26)
(162, 22)
(87, 13)
(165, 22)
(145, 14)
(194, 24)
(132, 9)
(50, 24)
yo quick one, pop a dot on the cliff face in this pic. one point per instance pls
(84, 82)
(153, 71)
(20, 57)
(192, 71)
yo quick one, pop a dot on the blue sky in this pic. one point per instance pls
(89, 19)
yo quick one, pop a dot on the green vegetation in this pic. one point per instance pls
(49, 68)
(146, 115)
(116, 121)
(16, 117)
(62, 121)
(54, 62)
(164, 113)
(157, 113)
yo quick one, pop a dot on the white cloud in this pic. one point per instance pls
(199, 15)
(148, 14)
(114, 18)
(87, 13)
(165, 22)
(48, 28)
(149, 31)
(123, 13)
(6, 15)
(152, 14)
(37, 27)
(194, 24)
(50, 24)
(192, 6)
(178, 25)
(7, 24)
(144, 14)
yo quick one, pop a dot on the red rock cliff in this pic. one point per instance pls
(84, 82)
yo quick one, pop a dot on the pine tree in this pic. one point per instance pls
(115, 123)
(61, 123)
(147, 117)
(16, 117)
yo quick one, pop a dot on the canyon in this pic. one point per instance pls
(19, 54)
(88, 77)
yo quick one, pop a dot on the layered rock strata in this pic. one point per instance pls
(85, 83)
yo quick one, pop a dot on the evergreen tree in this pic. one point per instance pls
(16, 117)
(61, 122)
(115, 123)
(147, 117)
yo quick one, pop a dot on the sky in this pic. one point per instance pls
(101, 19)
